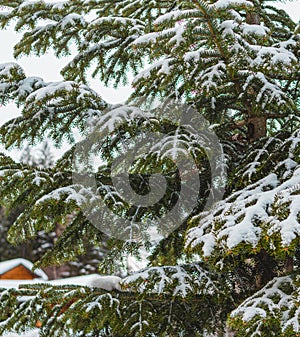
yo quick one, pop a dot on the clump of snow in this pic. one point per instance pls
(72, 20)
(174, 15)
(276, 54)
(119, 115)
(254, 29)
(147, 38)
(228, 27)
(108, 283)
(221, 4)
(53, 88)
(162, 66)
(28, 3)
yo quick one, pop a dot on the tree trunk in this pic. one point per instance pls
(252, 18)
(257, 128)
(264, 269)
(289, 265)
(257, 125)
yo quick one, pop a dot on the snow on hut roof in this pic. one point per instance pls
(6, 266)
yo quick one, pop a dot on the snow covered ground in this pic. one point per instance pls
(94, 280)
(33, 333)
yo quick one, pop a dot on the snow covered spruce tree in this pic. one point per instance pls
(234, 266)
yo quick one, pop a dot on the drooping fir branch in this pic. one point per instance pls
(276, 305)
(54, 109)
(56, 26)
(131, 312)
(51, 195)
(262, 212)
(135, 37)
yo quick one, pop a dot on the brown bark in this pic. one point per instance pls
(252, 18)
(257, 127)
(264, 269)
(289, 265)
(258, 281)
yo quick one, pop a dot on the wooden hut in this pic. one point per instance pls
(20, 269)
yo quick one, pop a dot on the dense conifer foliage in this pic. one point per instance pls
(233, 266)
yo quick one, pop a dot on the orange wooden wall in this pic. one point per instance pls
(18, 273)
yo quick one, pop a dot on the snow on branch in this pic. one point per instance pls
(222, 4)
(12, 76)
(176, 16)
(275, 54)
(118, 115)
(267, 210)
(53, 108)
(268, 91)
(277, 303)
(179, 281)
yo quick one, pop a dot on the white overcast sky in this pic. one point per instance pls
(48, 67)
